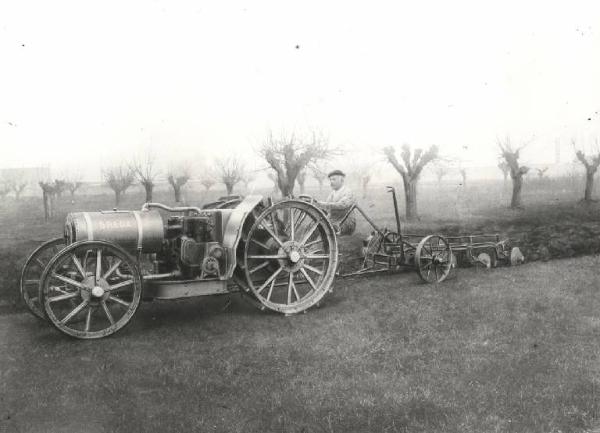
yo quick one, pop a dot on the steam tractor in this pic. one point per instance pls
(89, 283)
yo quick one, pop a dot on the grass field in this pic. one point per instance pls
(506, 350)
(502, 350)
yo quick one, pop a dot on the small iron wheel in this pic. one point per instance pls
(433, 259)
(32, 271)
(91, 289)
(290, 257)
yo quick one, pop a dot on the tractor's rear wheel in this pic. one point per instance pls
(290, 256)
(32, 271)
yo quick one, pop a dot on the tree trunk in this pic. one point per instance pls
(515, 202)
(301, 188)
(589, 185)
(177, 192)
(149, 188)
(117, 198)
(410, 198)
(229, 187)
(47, 210)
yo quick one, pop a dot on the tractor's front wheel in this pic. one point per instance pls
(91, 289)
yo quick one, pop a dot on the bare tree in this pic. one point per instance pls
(517, 171)
(73, 186)
(15, 183)
(288, 155)
(248, 177)
(410, 168)
(463, 174)
(504, 167)
(363, 172)
(440, 172)
(207, 183)
(60, 186)
(591, 166)
(5, 189)
(145, 170)
(177, 177)
(541, 172)
(301, 179)
(231, 171)
(48, 195)
(319, 175)
(119, 179)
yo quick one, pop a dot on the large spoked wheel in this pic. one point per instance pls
(433, 259)
(91, 289)
(32, 273)
(290, 257)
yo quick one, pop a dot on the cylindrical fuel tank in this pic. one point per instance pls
(132, 230)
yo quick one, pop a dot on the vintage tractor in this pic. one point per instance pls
(90, 282)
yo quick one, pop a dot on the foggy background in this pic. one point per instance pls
(84, 86)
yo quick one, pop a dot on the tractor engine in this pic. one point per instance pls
(188, 244)
(193, 245)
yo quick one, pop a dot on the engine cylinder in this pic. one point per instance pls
(132, 230)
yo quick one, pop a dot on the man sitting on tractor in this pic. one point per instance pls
(338, 204)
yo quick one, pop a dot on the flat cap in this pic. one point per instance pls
(336, 173)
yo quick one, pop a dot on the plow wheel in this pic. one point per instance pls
(433, 259)
(32, 272)
(290, 257)
(91, 289)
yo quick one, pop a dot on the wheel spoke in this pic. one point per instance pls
(310, 281)
(73, 313)
(88, 319)
(63, 297)
(269, 257)
(42, 264)
(260, 244)
(271, 290)
(316, 256)
(435, 268)
(78, 265)
(292, 230)
(31, 282)
(311, 243)
(290, 284)
(118, 301)
(295, 291)
(112, 269)
(273, 235)
(107, 312)
(309, 233)
(256, 268)
(311, 268)
(98, 265)
(271, 278)
(120, 285)
(68, 281)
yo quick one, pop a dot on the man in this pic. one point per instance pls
(338, 203)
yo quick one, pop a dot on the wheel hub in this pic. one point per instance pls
(95, 291)
(294, 253)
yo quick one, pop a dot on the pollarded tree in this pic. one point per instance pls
(288, 155)
(48, 195)
(463, 174)
(410, 168)
(119, 179)
(517, 171)
(541, 172)
(207, 182)
(4, 190)
(440, 172)
(145, 170)
(248, 177)
(60, 186)
(16, 183)
(177, 177)
(231, 171)
(591, 164)
(273, 177)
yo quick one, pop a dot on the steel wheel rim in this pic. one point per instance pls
(433, 259)
(91, 289)
(31, 275)
(290, 261)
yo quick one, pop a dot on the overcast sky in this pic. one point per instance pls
(85, 83)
